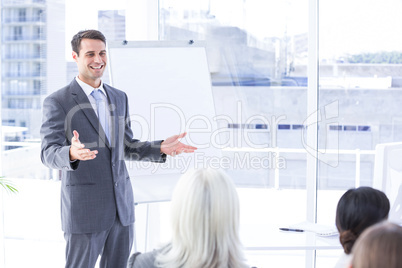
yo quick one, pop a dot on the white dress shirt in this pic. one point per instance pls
(88, 90)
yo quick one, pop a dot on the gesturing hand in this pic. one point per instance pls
(77, 151)
(172, 146)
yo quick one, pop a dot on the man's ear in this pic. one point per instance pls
(75, 56)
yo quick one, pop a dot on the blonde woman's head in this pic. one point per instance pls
(205, 222)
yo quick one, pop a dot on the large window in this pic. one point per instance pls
(258, 59)
(254, 60)
(360, 89)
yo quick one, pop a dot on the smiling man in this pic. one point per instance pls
(91, 64)
(86, 134)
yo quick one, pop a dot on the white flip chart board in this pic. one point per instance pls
(169, 89)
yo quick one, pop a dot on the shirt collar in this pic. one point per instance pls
(87, 88)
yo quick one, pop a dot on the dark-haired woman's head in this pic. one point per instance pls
(358, 209)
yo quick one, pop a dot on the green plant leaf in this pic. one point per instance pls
(8, 185)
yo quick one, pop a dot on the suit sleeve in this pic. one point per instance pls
(55, 147)
(136, 150)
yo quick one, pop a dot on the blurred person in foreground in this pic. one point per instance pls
(205, 225)
(379, 246)
(357, 210)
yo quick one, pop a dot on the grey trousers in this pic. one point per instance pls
(114, 246)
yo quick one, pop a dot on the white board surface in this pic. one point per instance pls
(169, 89)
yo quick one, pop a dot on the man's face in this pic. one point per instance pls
(91, 61)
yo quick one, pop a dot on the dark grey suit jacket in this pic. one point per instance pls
(93, 192)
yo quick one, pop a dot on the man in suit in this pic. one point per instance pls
(86, 134)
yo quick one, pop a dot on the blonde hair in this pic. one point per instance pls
(379, 246)
(205, 222)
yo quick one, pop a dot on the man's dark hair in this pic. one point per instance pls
(89, 34)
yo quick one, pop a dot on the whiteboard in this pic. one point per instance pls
(169, 89)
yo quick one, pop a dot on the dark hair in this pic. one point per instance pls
(90, 34)
(379, 246)
(358, 209)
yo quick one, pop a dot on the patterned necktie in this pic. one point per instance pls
(101, 108)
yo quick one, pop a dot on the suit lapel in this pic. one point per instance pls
(85, 106)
